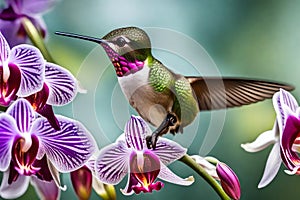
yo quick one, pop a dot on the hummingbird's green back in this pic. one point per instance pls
(163, 80)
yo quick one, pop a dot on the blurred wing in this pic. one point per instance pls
(217, 93)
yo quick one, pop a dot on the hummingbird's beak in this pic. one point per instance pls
(83, 37)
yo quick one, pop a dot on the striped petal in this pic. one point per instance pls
(61, 83)
(136, 131)
(8, 133)
(288, 100)
(69, 148)
(168, 151)
(32, 66)
(112, 163)
(284, 105)
(23, 114)
(4, 49)
(280, 112)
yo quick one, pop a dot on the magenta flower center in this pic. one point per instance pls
(144, 168)
(38, 100)
(24, 161)
(9, 86)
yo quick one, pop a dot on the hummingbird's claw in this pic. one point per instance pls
(170, 120)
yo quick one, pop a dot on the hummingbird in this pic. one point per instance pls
(168, 100)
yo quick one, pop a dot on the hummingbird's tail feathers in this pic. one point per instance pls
(218, 93)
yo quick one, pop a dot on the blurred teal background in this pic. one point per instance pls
(257, 39)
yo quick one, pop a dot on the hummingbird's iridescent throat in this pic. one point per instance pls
(123, 66)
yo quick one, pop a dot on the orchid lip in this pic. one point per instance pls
(83, 37)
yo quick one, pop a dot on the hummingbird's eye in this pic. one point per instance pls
(120, 42)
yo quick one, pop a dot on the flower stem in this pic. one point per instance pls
(36, 38)
(186, 159)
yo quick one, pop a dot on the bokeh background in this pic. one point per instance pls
(257, 39)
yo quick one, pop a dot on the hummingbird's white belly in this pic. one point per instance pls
(129, 84)
(151, 105)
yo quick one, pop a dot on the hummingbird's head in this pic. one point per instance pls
(129, 48)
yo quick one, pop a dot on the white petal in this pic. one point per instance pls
(14, 190)
(98, 186)
(272, 166)
(167, 175)
(209, 168)
(55, 176)
(262, 141)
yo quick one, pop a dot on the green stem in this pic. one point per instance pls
(36, 38)
(186, 159)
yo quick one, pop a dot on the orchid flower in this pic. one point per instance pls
(223, 173)
(11, 18)
(130, 155)
(29, 146)
(21, 71)
(59, 88)
(284, 136)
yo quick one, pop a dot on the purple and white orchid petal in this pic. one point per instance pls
(112, 163)
(4, 49)
(288, 100)
(69, 148)
(15, 189)
(8, 133)
(272, 166)
(263, 140)
(61, 83)
(290, 133)
(280, 112)
(136, 131)
(168, 151)
(32, 66)
(284, 104)
(44, 189)
(23, 114)
(167, 175)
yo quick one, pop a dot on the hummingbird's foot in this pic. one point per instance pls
(170, 120)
